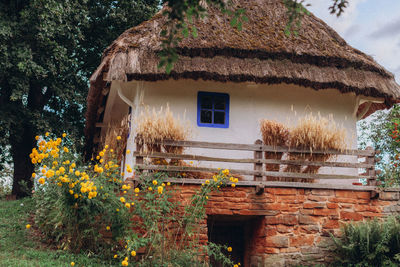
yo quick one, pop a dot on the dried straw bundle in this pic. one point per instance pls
(315, 133)
(160, 125)
(273, 134)
(115, 129)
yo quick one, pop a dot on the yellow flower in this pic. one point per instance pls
(118, 137)
(128, 168)
(160, 189)
(64, 135)
(41, 180)
(163, 184)
(106, 147)
(128, 151)
(33, 175)
(76, 196)
(191, 162)
(226, 172)
(115, 256)
(77, 173)
(128, 206)
(150, 188)
(133, 203)
(101, 154)
(36, 137)
(155, 182)
(229, 249)
(108, 228)
(124, 187)
(207, 181)
(236, 180)
(168, 183)
(233, 185)
(117, 210)
(73, 165)
(122, 199)
(206, 197)
(235, 265)
(28, 226)
(72, 263)
(137, 190)
(124, 263)
(71, 192)
(47, 134)
(133, 253)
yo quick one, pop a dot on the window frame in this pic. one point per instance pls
(213, 95)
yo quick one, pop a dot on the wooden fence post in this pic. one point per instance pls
(258, 166)
(138, 159)
(371, 171)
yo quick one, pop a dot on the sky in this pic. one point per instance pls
(372, 26)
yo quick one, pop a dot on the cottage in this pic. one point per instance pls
(225, 82)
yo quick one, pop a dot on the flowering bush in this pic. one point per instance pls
(89, 207)
(75, 203)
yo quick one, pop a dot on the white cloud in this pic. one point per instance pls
(340, 24)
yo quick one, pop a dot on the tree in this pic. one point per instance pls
(48, 49)
(381, 132)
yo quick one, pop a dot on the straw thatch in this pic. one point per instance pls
(273, 134)
(315, 133)
(161, 125)
(317, 57)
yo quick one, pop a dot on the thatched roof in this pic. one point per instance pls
(317, 57)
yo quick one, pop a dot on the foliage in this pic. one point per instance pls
(88, 208)
(369, 243)
(48, 50)
(379, 132)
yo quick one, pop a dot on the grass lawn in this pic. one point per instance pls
(18, 248)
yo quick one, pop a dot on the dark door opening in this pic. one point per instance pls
(233, 231)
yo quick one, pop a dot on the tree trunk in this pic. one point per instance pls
(22, 143)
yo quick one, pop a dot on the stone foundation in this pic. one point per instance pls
(293, 225)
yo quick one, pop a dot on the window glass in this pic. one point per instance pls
(213, 110)
(219, 117)
(206, 116)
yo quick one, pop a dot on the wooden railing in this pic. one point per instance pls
(258, 161)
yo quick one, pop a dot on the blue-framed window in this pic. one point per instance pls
(212, 110)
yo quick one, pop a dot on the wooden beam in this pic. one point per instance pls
(167, 168)
(186, 181)
(254, 147)
(249, 160)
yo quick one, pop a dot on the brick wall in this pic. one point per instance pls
(294, 224)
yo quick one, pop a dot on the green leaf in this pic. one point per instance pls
(194, 32)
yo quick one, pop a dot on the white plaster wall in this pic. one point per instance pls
(249, 103)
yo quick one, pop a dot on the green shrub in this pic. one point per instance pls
(369, 243)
